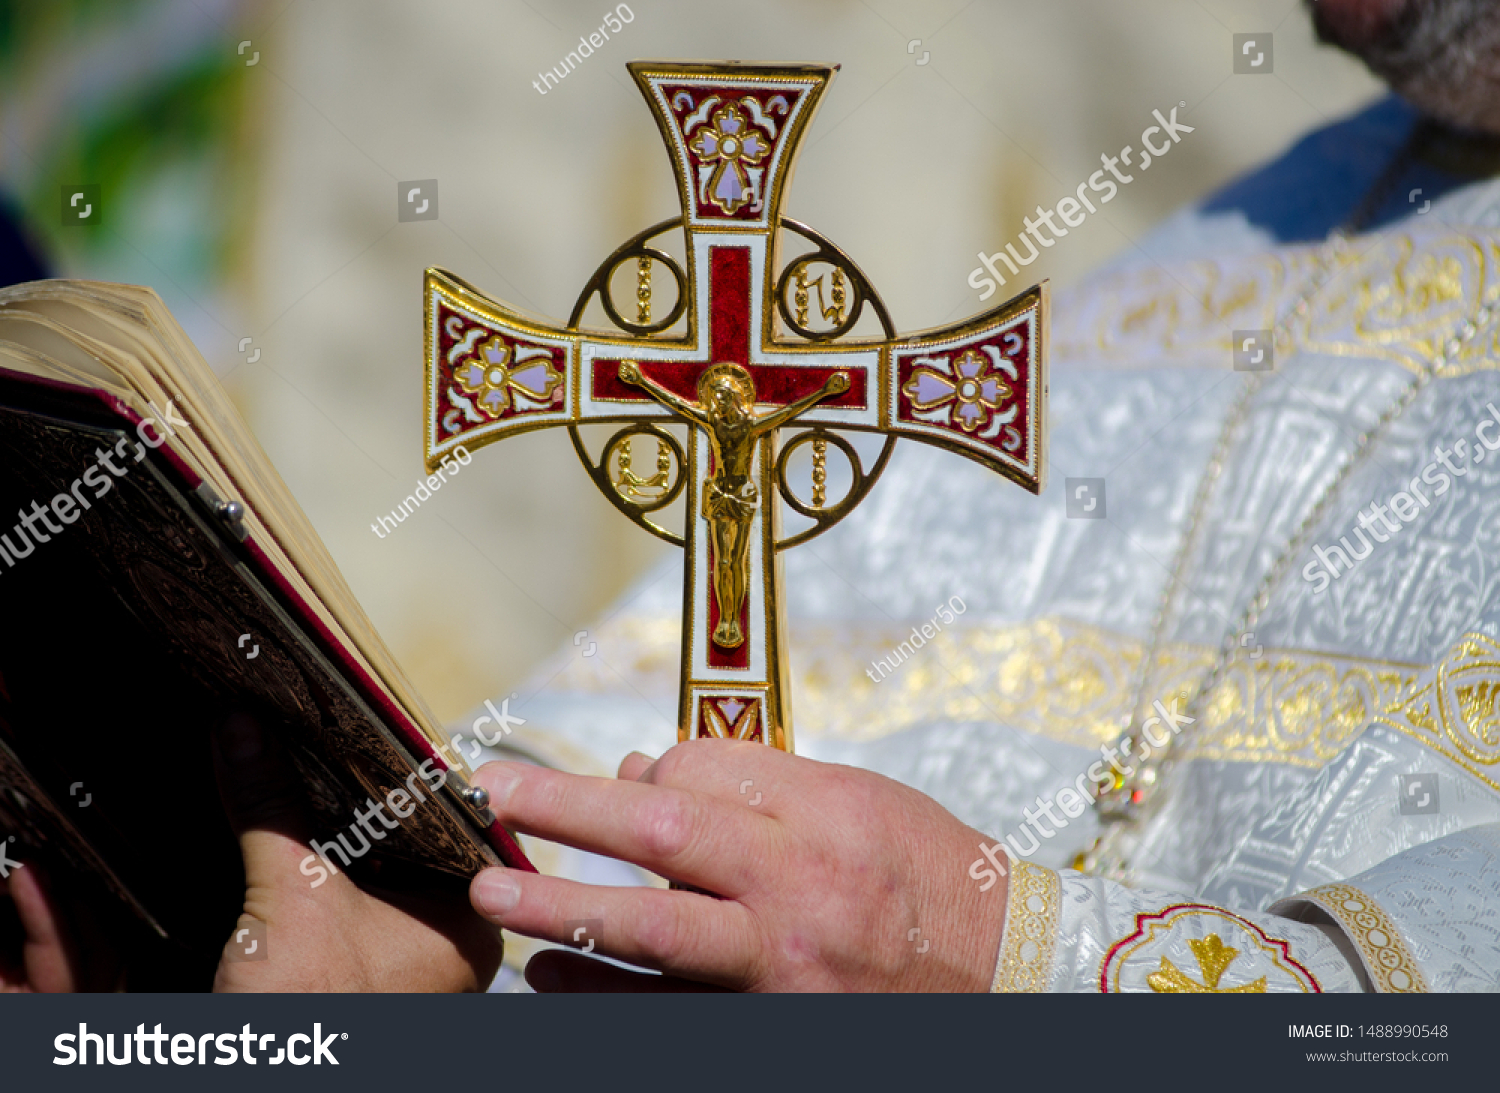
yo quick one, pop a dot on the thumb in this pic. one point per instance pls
(262, 799)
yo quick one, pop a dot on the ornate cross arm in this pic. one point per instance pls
(977, 387)
(736, 358)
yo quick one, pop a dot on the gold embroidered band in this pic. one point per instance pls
(1391, 967)
(1031, 910)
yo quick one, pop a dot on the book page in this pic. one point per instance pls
(122, 340)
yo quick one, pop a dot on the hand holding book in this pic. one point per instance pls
(337, 938)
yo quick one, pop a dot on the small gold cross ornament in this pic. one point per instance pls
(736, 360)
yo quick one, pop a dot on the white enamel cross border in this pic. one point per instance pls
(977, 388)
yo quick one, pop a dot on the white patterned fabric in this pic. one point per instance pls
(1439, 899)
(1121, 940)
(1299, 772)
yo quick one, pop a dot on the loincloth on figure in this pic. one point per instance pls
(734, 500)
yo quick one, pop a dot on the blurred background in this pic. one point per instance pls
(248, 155)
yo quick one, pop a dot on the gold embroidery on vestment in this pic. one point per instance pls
(1391, 967)
(1071, 682)
(1399, 297)
(1455, 712)
(1158, 930)
(1031, 910)
(1213, 957)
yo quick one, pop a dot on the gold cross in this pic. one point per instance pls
(1214, 958)
(732, 361)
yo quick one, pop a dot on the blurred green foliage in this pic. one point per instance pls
(161, 128)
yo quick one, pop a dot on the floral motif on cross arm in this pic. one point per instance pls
(978, 387)
(486, 375)
(728, 135)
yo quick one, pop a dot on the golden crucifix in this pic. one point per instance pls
(737, 337)
(726, 411)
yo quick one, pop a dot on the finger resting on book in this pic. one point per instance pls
(681, 933)
(681, 834)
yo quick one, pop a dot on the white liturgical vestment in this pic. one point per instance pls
(1331, 820)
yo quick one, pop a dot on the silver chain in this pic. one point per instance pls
(1119, 803)
(1218, 459)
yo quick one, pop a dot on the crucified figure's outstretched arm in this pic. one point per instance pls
(630, 372)
(837, 384)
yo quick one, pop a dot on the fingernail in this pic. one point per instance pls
(239, 738)
(496, 892)
(501, 780)
(647, 759)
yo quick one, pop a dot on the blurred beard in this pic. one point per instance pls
(1443, 56)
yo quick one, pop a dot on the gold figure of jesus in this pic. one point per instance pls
(726, 411)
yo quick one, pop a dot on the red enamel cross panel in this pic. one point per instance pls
(486, 375)
(730, 141)
(731, 318)
(978, 389)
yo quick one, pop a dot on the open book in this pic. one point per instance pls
(156, 574)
